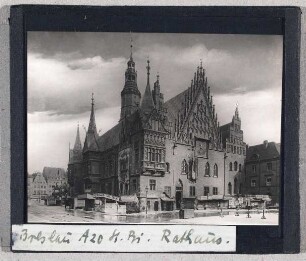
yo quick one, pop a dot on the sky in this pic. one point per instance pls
(64, 68)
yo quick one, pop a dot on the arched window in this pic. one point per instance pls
(167, 166)
(231, 166)
(240, 167)
(235, 166)
(229, 188)
(235, 186)
(216, 170)
(207, 170)
(184, 167)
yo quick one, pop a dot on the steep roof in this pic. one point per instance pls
(91, 134)
(77, 143)
(147, 103)
(174, 105)
(268, 151)
(51, 174)
(109, 138)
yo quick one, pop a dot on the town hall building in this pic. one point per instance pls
(165, 154)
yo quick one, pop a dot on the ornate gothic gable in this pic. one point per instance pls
(192, 113)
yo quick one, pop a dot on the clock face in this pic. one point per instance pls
(201, 148)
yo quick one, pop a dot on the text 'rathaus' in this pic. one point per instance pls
(161, 155)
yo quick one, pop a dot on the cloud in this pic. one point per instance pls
(63, 81)
(86, 64)
(260, 114)
(49, 136)
(65, 87)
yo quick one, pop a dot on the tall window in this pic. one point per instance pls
(167, 190)
(254, 168)
(207, 170)
(149, 154)
(95, 168)
(167, 166)
(235, 186)
(253, 182)
(206, 191)
(269, 166)
(235, 166)
(184, 167)
(134, 185)
(215, 191)
(158, 155)
(152, 184)
(216, 170)
(230, 166)
(111, 166)
(192, 191)
(152, 154)
(136, 148)
(229, 188)
(240, 167)
(268, 181)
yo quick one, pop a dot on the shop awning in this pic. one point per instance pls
(85, 196)
(107, 196)
(129, 199)
(212, 197)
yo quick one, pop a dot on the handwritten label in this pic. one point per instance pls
(124, 238)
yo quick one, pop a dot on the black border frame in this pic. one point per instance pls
(285, 21)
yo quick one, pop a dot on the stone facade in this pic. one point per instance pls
(235, 147)
(263, 170)
(168, 154)
(43, 184)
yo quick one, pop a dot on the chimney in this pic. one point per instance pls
(265, 143)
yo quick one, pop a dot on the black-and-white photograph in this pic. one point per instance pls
(154, 128)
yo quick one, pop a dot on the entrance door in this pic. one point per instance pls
(156, 206)
(178, 197)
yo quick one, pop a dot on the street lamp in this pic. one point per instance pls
(146, 199)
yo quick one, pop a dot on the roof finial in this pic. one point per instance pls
(201, 63)
(236, 110)
(92, 99)
(131, 46)
(148, 71)
(157, 76)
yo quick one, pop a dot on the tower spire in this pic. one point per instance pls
(131, 46)
(236, 111)
(92, 134)
(92, 122)
(77, 143)
(147, 103)
(148, 72)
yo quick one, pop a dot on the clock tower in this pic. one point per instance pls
(130, 95)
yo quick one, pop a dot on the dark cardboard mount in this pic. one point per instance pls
(285, 21)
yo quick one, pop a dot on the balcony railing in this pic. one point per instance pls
(154, 165)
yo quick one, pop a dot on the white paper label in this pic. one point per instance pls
(124, 238)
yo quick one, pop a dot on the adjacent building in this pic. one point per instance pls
(166, 154)
(41, 184)
(263, 170)
(235, 154)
